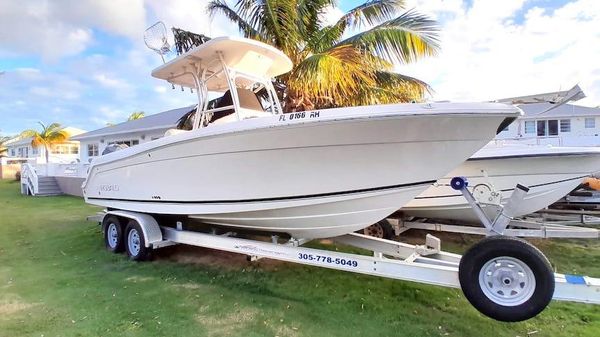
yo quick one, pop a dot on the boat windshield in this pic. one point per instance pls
(245, 96)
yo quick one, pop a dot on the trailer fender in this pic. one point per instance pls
(150, 228)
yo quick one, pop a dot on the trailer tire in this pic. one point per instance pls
(381, 229)
(135, 243)
(506, 278)
(113, 234)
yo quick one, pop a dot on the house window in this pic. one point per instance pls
(529, 127)
(35, 151)
(92, 150)
(553, 127)
(12, 152)
(65, 149)
(590, 123)
(547, 128)
(565, 125)
(58, 149)
(541, 128)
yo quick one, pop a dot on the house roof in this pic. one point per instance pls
(162, 120)
(19, 141)
(566, 110)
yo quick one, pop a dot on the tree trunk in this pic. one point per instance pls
(46, 147)
(295, 102)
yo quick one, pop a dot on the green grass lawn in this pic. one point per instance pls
(56, 279)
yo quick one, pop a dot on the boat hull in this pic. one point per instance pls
(549, 177)
(317, 177)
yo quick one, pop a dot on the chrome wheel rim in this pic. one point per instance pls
(133, 240)
(112, 235)
(507, 281)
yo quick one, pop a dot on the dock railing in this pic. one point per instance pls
(29, 179)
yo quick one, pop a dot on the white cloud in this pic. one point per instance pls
(160, 89)
(489, 50)
(486, 53)
(119, 17)
(332, 15)
(59, 28)
(191, 15)
(109, 81)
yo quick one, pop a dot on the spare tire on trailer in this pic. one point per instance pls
(381, 229)
(506, 278)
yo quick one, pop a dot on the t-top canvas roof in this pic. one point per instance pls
(245, 55)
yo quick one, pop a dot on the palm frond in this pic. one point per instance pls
(324, 38)
(28, 133)
(310, 15)
(220, 6)
(403, 39)
(57, 136)
(54, 127)
(396, 87)
(371, 13)
(328, 69)
(38, 141)
(136, 115)
(50, 134)
(334, 75)
(274, 20)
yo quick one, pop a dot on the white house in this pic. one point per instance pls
(130, 133)
(566, 125)
(20, 149)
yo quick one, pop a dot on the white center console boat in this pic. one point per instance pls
(311, 174)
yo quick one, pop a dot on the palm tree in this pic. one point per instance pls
(332, 67)
(136, 115)
(48, 136)
(133, 116)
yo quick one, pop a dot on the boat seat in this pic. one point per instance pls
(172, 132)
(250, 107)
(244, 114)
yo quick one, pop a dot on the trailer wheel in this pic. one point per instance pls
(113, 234)
(381, 229)
(506, 278)
(135, 243)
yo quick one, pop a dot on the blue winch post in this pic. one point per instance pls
(460, 184)
(501, 222)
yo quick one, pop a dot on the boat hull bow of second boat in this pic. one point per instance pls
(493, 173)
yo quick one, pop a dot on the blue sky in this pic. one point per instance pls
(84, 63)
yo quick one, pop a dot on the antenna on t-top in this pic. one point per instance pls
(155, 38)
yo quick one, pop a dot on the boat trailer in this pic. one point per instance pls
(505, 224)
(504, 278)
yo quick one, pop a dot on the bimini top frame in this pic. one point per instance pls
(223, 64)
